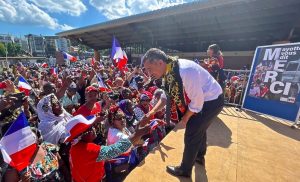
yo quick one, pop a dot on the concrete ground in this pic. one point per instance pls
(242, 146)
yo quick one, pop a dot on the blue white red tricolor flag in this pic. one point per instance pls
(154, 124)
(118, 55)
(18, 144)
(69, 57)
(102, 85)
(54, 71)
(23, 86)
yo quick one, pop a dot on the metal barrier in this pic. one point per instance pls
(235, 86)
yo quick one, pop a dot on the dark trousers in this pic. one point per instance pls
(195, 134)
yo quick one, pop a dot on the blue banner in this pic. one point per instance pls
(274, 82)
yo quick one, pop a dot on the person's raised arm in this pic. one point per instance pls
(130, 76)
(162, 102)
(116, 149)
(65, 84)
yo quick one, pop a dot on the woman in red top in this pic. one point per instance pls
(91, 106)
(86, 158)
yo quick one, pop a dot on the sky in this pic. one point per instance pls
(48, 17)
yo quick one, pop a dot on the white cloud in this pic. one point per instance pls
(23, 12)
(65, 27)
(7, 11)
(71, 7)
(121, 8)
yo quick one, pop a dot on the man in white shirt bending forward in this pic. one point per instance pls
(196, 98)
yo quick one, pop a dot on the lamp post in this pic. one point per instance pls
(6, 52)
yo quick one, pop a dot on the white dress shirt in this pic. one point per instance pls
(198, 84)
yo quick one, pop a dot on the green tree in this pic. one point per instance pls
(13, 49)
(18, 50)
(2, 50)
(10, 49)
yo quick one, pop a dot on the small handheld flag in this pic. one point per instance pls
(18, 144)
(54, 71)
(101, 84)
(24, 86)
(69, 57)
(118, 55)
(154, 124)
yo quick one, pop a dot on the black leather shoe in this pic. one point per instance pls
(176, 171)
(201, 161)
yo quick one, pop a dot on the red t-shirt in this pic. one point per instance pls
(84, 111)
(83, 163)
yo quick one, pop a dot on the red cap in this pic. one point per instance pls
(103, 89)
(90, 89)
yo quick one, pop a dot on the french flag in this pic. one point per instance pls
(101, 84)
(69, 57)
(118, 55)
(154, 124)
(77, 124)
(23, 86)
(18, 144)
(54, 71)
(122, 62)
(116, 50)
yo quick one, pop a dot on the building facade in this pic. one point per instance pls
(6, 38)
(36, 44)
(50, 45)
(23, 43)
(63, 44)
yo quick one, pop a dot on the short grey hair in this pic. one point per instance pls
(154, 54)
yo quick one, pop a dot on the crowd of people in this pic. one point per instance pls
(119, 136)
(235, 87)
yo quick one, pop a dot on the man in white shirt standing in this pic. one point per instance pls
(195, 95)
